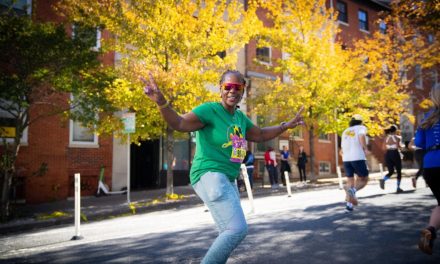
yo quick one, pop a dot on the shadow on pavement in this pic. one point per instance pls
(318, 234)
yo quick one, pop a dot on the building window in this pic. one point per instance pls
(91, 36)
(264, 55)
(324, 168)
(403, 74)
(324, 137)
(20, 7)
(382, 27)
(297, 133)
(79, 135)
(418, 77)
(342, 11)
(363, 20)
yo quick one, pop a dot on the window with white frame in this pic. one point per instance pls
(342, 11)
(324, 168)
(418, 77)
(297, 133)
(324, 137)
(403, 74)
(363, 20)
(79, 135)
(87, 34)
(264, 55)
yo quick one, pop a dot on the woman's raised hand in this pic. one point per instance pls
(152, 91)
(297, 120)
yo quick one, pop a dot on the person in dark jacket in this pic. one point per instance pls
(302, 160)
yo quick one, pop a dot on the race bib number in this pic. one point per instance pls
(238, 150)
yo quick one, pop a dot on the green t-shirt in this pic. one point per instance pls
(220, 144)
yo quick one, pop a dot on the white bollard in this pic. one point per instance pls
(289, 191)
(248, 187)
(338, 170)
(128, 171)
(381, 170)
(77, 235)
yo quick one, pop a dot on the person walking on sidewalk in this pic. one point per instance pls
(271, 164)
(222, 132)
(302, 160)
(392, 145)
(285, 166)
(428, 138)
(354, 150)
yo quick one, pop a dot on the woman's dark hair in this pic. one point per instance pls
(391, 129)
(354, 122)
(238, 74)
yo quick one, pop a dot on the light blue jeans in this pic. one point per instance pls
(223, 200)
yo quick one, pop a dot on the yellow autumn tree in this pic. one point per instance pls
(329, 81)
(179, 42)
(393, 55)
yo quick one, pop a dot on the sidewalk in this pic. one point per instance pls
(106, 207)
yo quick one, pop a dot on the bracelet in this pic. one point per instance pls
(282, 125)
(165, 105)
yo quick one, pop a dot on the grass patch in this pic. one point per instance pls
(54, 215)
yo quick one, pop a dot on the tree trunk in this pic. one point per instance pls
(312, 154)
(7, 169)
(6, 186)
(170, 160)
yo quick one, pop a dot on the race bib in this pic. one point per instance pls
(238, 150)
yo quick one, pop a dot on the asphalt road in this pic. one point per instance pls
(309, 227)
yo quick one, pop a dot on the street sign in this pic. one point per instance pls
(129, 120)
(7, 132)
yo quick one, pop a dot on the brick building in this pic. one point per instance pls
(54, 148)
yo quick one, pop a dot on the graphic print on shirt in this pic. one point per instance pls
(238, 143)
(350, 133)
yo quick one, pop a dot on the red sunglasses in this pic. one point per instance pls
(237, 86)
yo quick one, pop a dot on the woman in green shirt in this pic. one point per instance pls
(222, 132)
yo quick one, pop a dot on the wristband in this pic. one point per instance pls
(165, 105)
(282, 125)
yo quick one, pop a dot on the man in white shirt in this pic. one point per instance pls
(353, 151)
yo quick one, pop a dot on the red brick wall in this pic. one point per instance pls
(251, 49)
(48, 142)
(324, 151)
(351, 32)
